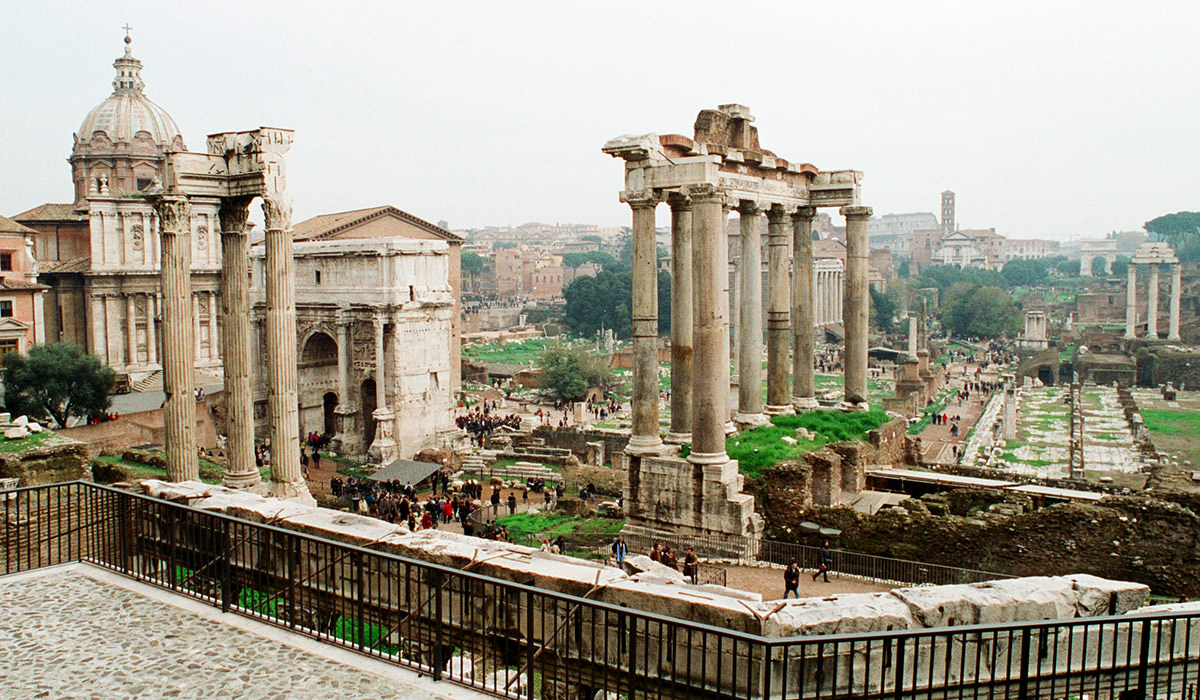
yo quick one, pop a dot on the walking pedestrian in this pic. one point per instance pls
(791, 580)
(826, 562)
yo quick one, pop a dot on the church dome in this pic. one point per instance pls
(128, 112)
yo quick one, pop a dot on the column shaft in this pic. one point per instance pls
(287, 481)
(196, 350)
(750, 330)
(681, 319)
(380, 365)
(179, 407)
(710, 391)
(237, 344)
(778, 321)
(856, 304)
(803, 380)
(131, 353)
(99, 338)
(151, 340)
(1152, 303)
(644, 437)
(214, 347)
(1176, 293)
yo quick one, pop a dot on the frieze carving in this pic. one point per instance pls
(202, 238)
(137, 236)
(277, 212)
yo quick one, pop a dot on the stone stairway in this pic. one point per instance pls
(152, 382)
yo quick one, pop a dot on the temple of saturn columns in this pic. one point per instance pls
(238, 168)
(721, 169)
(1153, 255)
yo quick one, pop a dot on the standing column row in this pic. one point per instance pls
(236, 346)
(750, 398)
(855, 309)
(287, 481)
(644, 438)
(803, 321)
(681, 319)
(179, 406)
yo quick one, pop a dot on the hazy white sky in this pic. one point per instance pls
(1049, 119)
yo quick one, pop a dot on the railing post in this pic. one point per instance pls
(226, 566)
(356, 559)
(1145, 659)
(529, 644)
(123, 532)
(435, 581)
(1023, 683)
(767, 650)
(632, 648)
(899, 661)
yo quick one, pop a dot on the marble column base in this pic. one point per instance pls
(745, 421)
(291, 491)
(776, 410)
(645, 445)
(677, 438)
(847, 406)
(800, 404)
(243, 482)
(703, 458)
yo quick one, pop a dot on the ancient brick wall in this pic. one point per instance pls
(576, 439)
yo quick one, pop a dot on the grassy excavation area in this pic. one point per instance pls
(758, 449)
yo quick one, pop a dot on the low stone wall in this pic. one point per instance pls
(47, 465)
(576, 439)
(146, 427)
(889, 441)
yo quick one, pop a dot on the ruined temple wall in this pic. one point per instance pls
(576, 439)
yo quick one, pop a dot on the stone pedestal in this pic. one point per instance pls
(384, 449)
(803, 378)
(241, 472)
(179, 407)
(667, 495)
(856, 306)
(287, 480)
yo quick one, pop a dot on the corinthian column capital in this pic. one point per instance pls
(277, 212)
(174, 213)
(233, 214)
(805, 213)
(857, 212)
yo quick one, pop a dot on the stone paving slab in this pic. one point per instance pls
(69, 633)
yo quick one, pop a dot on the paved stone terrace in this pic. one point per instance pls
(74, 633)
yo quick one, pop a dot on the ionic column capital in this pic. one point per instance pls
(777, 214)
(805, 213)
(679, 201)
(639, 199)
(749, 207)
(705, 192)
(857, 212)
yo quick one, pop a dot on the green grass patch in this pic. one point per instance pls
(758, 449)
(358, 632)
(258, 602)
(26, 443)
(1168, 421)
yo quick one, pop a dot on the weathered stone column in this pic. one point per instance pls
(383, 447)
(130, 330)
(179, 407)
(644, 437)
(778, 321)
(287, 481)
(151, 331)
(98, 336)
(733, 298)
(681, 320)
(196, 325)
(750, 398)
(1152, 303)
(912, 336)
(345, 407)
(236, 344)
(803, 381)
(710, 392)
(1176, 293)
(1131, 302)
(856, 305)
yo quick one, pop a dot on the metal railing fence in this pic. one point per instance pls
(517, 641)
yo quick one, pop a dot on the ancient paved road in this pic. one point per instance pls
(68, 635)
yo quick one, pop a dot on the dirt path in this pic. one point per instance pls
(769, 582)
(937, 443)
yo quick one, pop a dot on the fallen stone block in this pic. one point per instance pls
(21, 420)
(1100, 596)
(16, 432)
(34, 427)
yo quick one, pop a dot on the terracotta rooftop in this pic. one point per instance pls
(7, 225)
(51, 212)
(326, 225)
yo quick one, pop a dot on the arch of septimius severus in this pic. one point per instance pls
(721, 169)
(238, 168)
